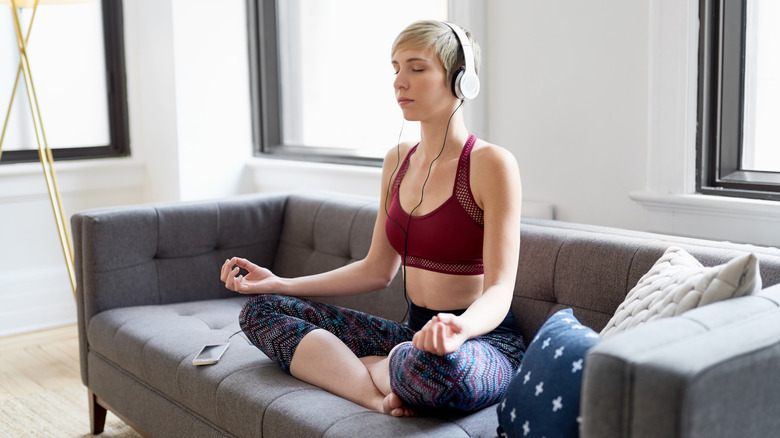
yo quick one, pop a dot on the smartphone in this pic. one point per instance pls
(210, 354)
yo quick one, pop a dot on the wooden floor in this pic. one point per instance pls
(41, 393)
(38, 362)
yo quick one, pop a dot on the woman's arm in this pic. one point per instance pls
(375, 271)
(495, 184)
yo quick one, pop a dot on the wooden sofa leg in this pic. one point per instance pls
(97, 415)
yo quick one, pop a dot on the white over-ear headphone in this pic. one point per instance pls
(465, 82)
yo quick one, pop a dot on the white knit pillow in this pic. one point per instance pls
(678, 282)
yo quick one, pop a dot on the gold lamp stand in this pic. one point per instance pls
(44, 152)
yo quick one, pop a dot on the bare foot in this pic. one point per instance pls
(393, 405)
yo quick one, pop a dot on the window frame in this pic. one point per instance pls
(116, 86)
(266, 102)
(721, 115)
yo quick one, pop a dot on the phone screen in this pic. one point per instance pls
(210, 354)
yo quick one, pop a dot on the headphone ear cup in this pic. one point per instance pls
(468, 85)
(456, 82)
(464, 85)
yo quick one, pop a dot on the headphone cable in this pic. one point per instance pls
(422, 194)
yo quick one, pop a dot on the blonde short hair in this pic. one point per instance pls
(436, 34)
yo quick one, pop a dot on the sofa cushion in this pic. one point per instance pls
(245, 393)
(156, 344)
(678, 282)
(543, 399)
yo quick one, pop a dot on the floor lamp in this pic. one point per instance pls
(44, 152)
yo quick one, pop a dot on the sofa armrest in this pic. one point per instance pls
(712, 372)
(166, 253)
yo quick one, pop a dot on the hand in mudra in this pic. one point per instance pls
(443, 334)
(257, 280)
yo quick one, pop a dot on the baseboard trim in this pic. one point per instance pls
(35, 299)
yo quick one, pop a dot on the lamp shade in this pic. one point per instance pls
(31, 3)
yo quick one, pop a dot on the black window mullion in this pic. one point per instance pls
(732, 87)
(116, 80)
(266, 95)
(116, 85)
(721, 106)
(264, 75)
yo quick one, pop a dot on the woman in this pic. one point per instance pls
(450, 212)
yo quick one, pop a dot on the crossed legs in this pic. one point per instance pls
(324, 361)
(339, 350)
(348, 353)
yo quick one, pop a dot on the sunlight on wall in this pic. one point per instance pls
(67, 61)
(762, 88)
(336, 73)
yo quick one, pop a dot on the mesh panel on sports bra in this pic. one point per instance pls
(463, 186)
(446, 268)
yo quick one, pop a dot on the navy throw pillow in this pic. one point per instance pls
(543, 398)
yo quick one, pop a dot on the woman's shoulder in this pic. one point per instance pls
(488, 156)
(397, 153)
(494, 176)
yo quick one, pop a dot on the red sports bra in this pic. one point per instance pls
(448, 239)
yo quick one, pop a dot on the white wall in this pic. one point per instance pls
(595, 99)
(565, 88)
(35, 290)
(188, 88)
(567, 94)
(190, 136)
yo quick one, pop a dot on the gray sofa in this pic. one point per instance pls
(149, 297)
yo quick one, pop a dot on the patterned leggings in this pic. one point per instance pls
(473, 377)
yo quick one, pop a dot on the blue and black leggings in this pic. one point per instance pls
(473, 377)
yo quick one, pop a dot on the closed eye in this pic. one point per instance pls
(415, 70)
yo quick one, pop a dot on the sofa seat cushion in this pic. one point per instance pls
(245, 393)
(156, 345)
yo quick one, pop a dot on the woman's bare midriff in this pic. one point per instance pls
(437, 291)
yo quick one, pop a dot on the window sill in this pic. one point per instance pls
(25, 181)
(275, 175)
(272, 174)
(712, 217)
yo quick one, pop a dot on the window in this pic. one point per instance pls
(330, 97)
(762, 87)
(739, 99)
(76, 55)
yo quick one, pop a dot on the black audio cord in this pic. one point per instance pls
(422, 194)
(231, 336)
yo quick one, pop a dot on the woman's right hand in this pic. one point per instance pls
(257, 280)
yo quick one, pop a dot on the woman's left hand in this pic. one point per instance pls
(443, 334)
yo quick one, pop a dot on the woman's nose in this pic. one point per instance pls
(400, 81)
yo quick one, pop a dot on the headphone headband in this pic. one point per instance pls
(465, 83)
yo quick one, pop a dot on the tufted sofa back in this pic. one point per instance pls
(587, 268)
(320, 234)
(592, 268)
(166, 253)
